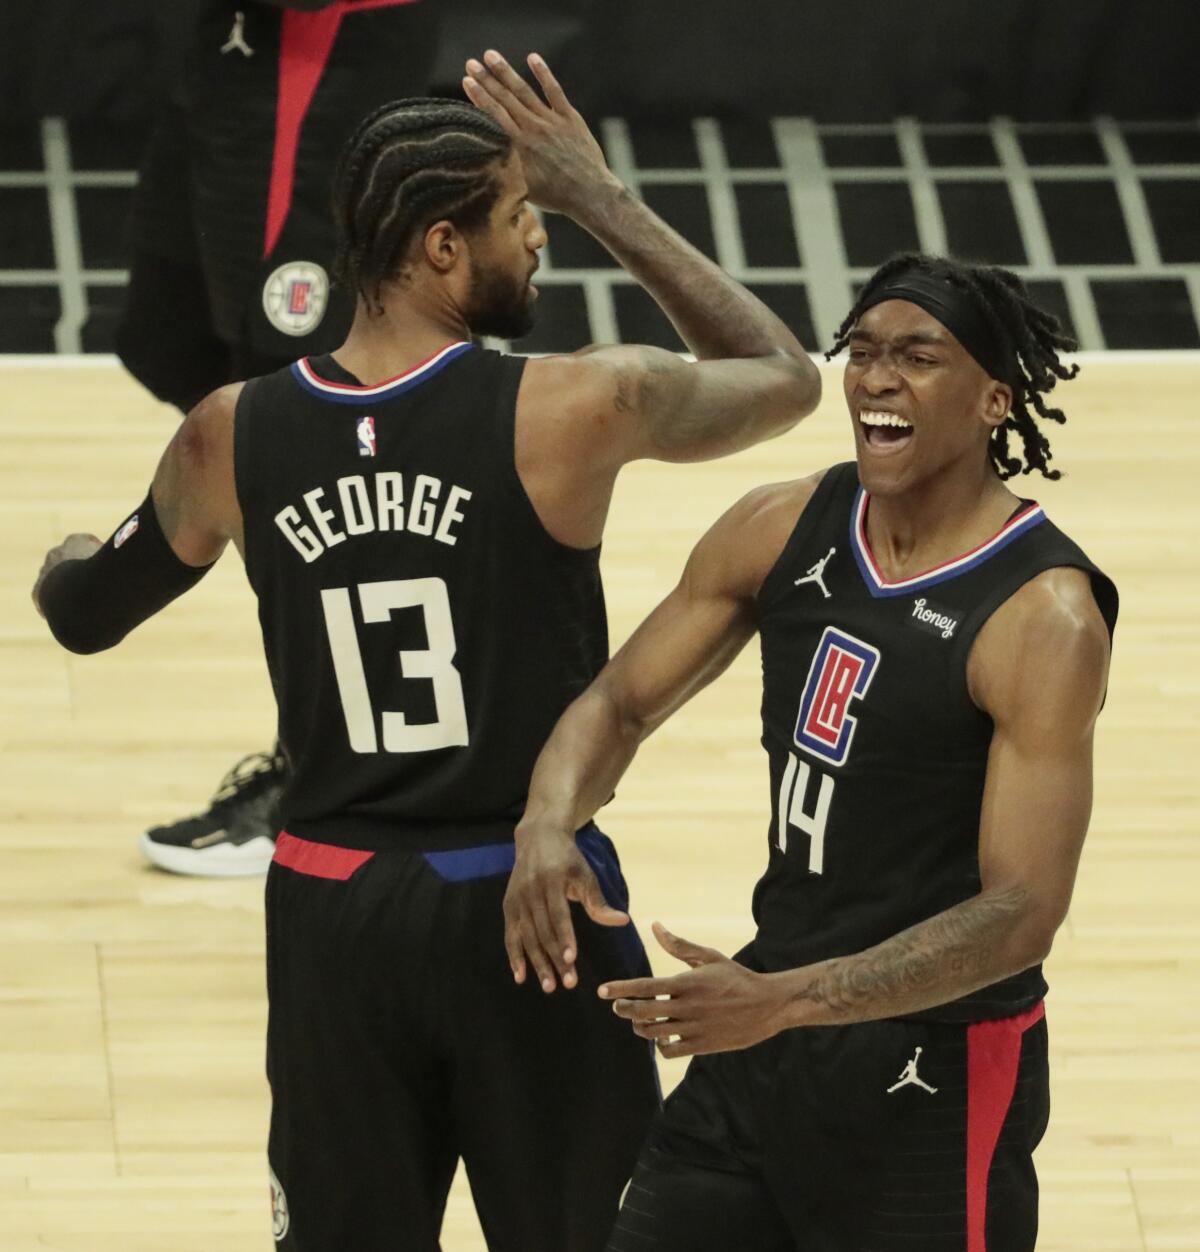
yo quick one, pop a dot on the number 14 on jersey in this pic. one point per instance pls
(794, 809)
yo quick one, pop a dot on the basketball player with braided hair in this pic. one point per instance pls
(232, 247)
(870, 1071)
(1034, 338)
(420, 520)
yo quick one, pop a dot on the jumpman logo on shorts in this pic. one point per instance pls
(909, 1077)
(816, 574)
(237, 37)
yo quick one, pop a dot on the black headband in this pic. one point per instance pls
(957, 310)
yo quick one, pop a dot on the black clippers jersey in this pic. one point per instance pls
(422, 630)
(877, 753)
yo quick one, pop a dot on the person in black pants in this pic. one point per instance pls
(420, 520)
(231, 277)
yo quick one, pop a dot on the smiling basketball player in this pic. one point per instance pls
(871, 1069)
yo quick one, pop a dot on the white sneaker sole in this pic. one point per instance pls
(221, 860)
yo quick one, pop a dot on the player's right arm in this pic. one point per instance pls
(689, 639)
(92, 594)
(607, 406)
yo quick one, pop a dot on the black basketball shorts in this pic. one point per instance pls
(398, 1043)
(892, 1136)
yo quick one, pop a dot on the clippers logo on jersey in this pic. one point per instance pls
(126, 532)
(298, 292)
(366, 436)
(840, 673)
(294, 297)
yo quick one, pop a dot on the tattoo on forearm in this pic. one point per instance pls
(948, 956)
(650, 389)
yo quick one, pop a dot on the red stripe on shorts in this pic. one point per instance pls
(305, 43)
(318, 860)
(993, 1056)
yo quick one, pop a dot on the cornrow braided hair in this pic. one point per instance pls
(407, 165)
(1033, 337)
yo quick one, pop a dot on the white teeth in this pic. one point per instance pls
(870, 418)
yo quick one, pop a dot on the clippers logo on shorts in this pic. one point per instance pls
(840, 673)
(126, 532)
(295, 296)
(280, 1217)
(366, 436)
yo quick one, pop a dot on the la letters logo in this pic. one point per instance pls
(840, 673)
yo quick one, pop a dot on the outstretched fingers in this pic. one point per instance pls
(684, 950)
(585, 888)
(564, 947)
(484, 100)
(548, 956)
(516, 952)
(512, 82)
(551, 88)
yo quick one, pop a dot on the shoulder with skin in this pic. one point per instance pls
(206, 434)
(580, 396)
(746, 541)
(194, 487)
(1043, 655)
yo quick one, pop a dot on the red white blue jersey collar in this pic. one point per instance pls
(348, 393)
(879, 586)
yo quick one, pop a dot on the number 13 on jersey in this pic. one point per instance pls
(435, 663)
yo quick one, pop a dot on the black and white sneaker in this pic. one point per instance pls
(235, 835)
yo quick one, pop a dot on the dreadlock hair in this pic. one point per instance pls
(407, 165)
(1032, 336)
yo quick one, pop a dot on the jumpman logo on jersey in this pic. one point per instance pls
(237, 37)
(816, 574)
(909, 1077)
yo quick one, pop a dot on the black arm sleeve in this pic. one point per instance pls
(93, 604)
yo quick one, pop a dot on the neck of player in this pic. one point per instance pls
(411, 326)
(943, 517)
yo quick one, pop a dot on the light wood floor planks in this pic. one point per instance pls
(132, 1100)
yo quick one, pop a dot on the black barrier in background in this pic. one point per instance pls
(941, 60)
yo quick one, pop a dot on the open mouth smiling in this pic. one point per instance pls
(884, 431)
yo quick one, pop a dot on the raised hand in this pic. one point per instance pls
(549, 873)
(715, 1006)
(563, 163)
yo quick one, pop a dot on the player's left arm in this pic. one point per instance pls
(1039, 668)
(93, 594)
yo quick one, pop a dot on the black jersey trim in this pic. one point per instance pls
(348, 393)
(881, 587)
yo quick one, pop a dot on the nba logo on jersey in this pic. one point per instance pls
(840, 673)
(126, 532)
(366, 436)
(298, 289)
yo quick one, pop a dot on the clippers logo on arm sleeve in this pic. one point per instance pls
(841, 672)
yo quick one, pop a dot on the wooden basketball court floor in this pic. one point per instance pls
(133, 1106)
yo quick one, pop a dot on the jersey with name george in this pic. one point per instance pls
(422, 629)
(878, 755)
